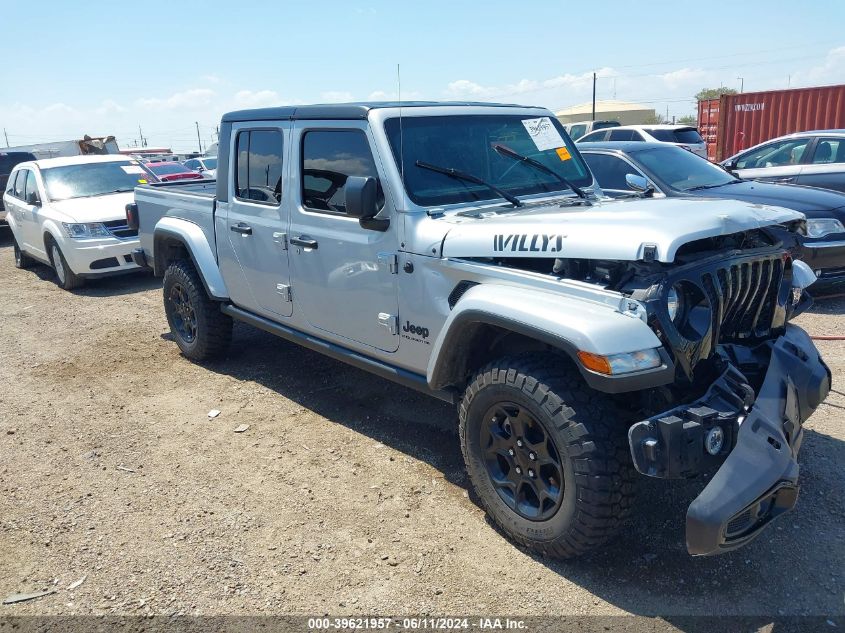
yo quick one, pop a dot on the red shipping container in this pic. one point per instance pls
(744, 120)
(708, 125)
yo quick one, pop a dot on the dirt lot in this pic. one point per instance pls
(346, 495)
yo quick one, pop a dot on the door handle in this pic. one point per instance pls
(304, 241)
(243, 229)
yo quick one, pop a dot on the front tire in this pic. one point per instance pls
(200, 329)
(546, 455)
(65, 277)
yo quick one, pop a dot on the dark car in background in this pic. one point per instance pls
(8, 161)
(630, 169)
(171, 170)
(816, 159)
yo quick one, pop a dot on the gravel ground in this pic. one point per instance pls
(346, 495)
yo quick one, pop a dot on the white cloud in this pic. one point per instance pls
(185, 100)
(379, 95)
(59, 108)
(257, 98)
(211, 79)
(465, 87)
(831, 71)
(109, 106)
(684, 77)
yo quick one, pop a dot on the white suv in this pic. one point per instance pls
(70, 213)
(683, 136)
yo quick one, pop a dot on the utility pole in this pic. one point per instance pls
(141, 134)
(198, 135)
(741, 84)
(7, 137)
(594, 97)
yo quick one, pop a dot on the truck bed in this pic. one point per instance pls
(191, 200)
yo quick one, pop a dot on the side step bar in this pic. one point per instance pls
(396, 374)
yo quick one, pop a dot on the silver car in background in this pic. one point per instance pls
(815, 159)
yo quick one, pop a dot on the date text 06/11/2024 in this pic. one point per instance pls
(414, 624)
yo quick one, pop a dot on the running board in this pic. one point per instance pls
(371, 365)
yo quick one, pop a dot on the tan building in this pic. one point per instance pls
(624, 112)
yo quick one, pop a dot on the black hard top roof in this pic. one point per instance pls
(357, 110)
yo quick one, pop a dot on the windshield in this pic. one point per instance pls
(681, 135)
(210, 163)
(93, 179)
(166, 169)
(682, 170)
(466, 143)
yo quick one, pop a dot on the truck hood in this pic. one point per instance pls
(618, 230)
(95, 208)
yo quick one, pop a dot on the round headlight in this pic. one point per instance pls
(673, 302)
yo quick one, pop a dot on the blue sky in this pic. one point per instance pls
(107, 67)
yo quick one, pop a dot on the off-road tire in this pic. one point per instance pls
(22, 260)
(65, 277)
(589, 436)
(212, 331)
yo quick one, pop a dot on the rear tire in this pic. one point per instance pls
(200, 329)
(547, 455)
(65, 277)
(22, 260)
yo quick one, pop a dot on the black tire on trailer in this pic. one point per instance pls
(65, 277)
(547, 456)
(199, 328)
(22, 260)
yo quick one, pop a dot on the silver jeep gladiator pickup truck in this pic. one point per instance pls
(464, 250)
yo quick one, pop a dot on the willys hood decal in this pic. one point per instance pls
(618, 230)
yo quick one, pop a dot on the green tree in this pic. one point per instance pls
(714, 93)
(688, 119)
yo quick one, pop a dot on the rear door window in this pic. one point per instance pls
(258, 177)
(829, 150)
(593, 136)
(622, 135)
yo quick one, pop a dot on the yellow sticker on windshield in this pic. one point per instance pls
(141, 181)
(563, 153)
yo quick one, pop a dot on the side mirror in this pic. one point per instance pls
(638, 183)
(729, 165)
(362, 202)
(33, 199)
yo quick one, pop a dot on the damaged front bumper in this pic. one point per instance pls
(756, 439)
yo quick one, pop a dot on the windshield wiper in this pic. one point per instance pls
(460, 175)
(721, 184)
(108, 193)
(505, 151)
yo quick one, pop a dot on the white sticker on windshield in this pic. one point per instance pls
(543, 132)
(133, 169)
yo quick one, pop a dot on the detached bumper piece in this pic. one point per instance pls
(758, 480)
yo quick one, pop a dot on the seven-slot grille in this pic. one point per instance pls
(744, 297)
(120, 229)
